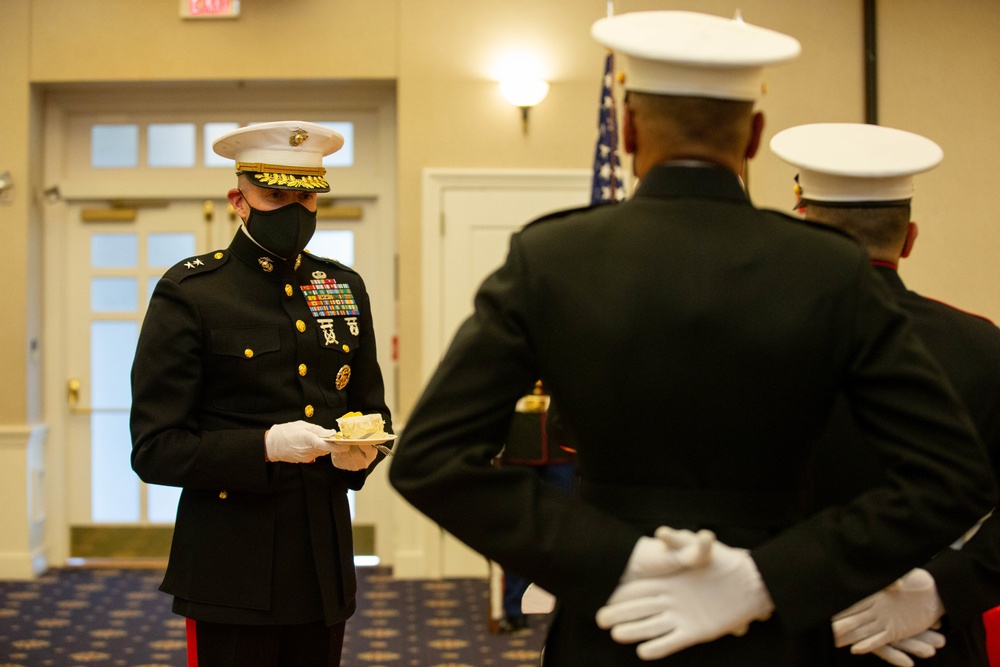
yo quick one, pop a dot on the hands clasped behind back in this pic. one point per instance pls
(669, 552)
(689, 590)
(894, 621)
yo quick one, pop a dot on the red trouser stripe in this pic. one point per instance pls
(192, 642)
(991, 620)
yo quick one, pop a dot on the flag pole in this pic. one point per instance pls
(611, 8)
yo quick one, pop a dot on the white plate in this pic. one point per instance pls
(378, 440)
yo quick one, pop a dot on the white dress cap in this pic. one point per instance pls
(854, 163)
(692, 54)
(286, 155)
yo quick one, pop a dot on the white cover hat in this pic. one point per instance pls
(692, 54)
(283, 155)
(854, 163)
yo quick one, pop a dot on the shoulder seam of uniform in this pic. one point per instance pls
(197, 265)
(811, 224)
(563, 213)
(957, 309)
(330, 260)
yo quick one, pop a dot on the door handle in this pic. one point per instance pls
(73, 398)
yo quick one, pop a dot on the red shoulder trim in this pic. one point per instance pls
(943, 303)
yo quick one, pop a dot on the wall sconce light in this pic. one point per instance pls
(6, 186)
(524, 92)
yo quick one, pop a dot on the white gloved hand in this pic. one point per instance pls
(352, 457)
(670, 613)
(922, 645)
(296, 442)
(670, 551)
(903, 609)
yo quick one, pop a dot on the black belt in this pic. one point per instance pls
(647, 507)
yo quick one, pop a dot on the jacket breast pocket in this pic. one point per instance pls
(243, 371)
(336, 374)
(339, 339)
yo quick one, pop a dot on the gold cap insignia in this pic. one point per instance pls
(298, 136)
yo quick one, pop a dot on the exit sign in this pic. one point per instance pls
(210, 9)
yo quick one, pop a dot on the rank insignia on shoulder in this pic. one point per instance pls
(193, 266)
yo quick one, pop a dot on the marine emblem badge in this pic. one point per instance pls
(343, 377)
(266, 264)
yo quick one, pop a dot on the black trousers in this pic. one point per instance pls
(224, 645)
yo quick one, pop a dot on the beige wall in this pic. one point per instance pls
(125, 40)
(443, 54)
(15, 108)
(940, 77)
(938, 72)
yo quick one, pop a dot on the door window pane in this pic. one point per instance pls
(113, 250)
(170, 144)
(112, 347)
(345, 156)
(114, 145)
(162, 503)
(114, 488)
(113, 294)
(210, 133)
(336, 244)
(165, 250)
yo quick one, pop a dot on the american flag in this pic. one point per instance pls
(607, 185)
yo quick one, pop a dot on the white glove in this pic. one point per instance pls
(689, 607)
(670, 551)
(922, 645)
(296, 442)
(352, 457)
(901, 610)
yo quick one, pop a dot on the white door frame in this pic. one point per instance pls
(436, 182)
(423, 548)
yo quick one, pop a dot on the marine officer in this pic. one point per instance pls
(859, 178)
(246, 358)
(695, 399)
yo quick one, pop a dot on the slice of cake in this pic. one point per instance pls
(356, 426)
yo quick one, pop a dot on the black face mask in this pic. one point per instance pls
(284, 231)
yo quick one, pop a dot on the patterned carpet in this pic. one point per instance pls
(116, 617)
